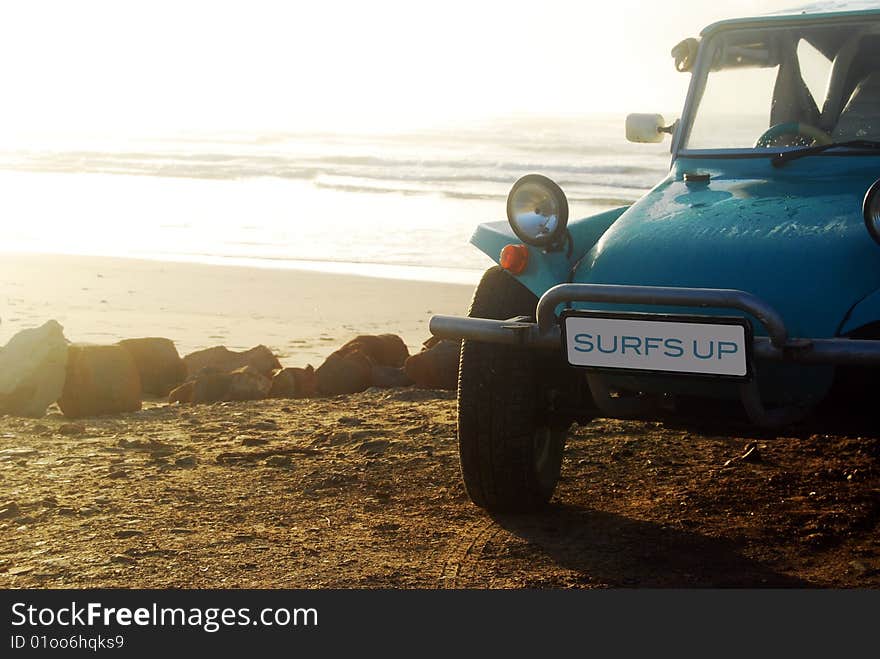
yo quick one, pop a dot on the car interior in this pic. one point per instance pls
(850, 109)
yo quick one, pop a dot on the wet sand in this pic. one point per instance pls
(301, 315)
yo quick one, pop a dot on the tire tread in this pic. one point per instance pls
(496, 421)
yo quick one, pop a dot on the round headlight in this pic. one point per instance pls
(537, 211)
(871, 210)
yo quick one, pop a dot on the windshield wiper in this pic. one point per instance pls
(781, 158)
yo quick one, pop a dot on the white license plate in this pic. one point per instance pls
(635, 342)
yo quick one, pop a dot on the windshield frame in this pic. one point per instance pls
(699, 79)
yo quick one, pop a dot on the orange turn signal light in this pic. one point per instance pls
(514, 258)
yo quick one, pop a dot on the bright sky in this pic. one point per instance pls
(156, 66)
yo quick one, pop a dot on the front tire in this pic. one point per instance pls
(510, 441)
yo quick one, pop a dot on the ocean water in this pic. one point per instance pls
(399, 205)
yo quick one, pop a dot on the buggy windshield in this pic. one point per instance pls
(772, 88)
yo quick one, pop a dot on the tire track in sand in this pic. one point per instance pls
(465, 552)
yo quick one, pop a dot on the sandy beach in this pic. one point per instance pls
(364, 491)
(301, 315)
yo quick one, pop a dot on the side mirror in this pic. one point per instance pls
(646, 128)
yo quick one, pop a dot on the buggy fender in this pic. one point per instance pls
(546, 269)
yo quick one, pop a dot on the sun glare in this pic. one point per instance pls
(143, 67)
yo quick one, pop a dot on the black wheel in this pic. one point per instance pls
(510, 435)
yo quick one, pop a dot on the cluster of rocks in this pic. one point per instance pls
(39, 367)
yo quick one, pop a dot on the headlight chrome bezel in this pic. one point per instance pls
(552, 194)
(871, 210)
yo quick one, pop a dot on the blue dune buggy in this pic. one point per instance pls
(750, 274)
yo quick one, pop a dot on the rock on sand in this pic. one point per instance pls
(294, 383)
(160, 366)
(435, 367)
(382, 349)
(351, 368)
(225, 360)
(247, 383)
(344, 373)
(32, 370)
(100, 380)
(211, 386)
